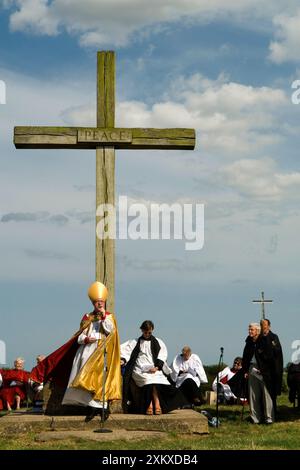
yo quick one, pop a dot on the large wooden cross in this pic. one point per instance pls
(105, 138)
(262, 301)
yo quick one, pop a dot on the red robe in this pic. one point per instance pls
(57, 366)
(8, 392)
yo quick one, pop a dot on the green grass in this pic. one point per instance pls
(234, 432)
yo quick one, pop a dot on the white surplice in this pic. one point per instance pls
(191, 369)
(77, 396)
(225, 374)
(144, 362)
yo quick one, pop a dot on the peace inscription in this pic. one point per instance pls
(104, 136)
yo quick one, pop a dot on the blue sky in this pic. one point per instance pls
(223, 68)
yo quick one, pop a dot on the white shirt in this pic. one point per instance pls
(144, 362)
(227, 372)
(192, 369)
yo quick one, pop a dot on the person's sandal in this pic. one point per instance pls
(149, 411)
(158, 411)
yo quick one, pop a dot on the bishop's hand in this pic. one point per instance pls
(90, 339)
(102, 313)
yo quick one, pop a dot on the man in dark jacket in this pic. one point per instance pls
(260, 366)
(278, 357)
(293, 381)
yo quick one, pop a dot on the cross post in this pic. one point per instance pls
(262, 301)
(104, 138)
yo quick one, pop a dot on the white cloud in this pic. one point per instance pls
(115, 22)
(34, 16)
(34, 101)
(287, 33)
(232, 119)
(79, 115)
(260, 179)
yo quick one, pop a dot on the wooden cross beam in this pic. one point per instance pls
(262, 301)
(105, 138)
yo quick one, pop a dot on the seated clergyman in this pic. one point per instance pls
(188, 374)
(228, 391)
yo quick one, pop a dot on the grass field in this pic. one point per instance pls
(234, 432)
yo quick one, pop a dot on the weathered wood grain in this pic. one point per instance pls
(105, 247)
(105, 167)
(120, 138)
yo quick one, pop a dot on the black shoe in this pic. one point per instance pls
(188, 407)
(37, 410)
(231, 401)
(198, 401)
(91, 414)
(97, 412)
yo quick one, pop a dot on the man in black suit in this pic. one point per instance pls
(277, 371)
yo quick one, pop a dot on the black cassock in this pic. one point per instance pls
(137, 399)
(238, 384)
(293, 381)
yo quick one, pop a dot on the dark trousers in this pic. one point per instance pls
(191, 391)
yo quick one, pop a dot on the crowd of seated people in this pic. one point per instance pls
(152, 386)
(186, 374)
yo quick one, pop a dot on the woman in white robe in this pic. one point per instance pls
(145, 359)
(141, 371)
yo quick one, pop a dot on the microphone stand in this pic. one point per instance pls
(102, 428)
(218, 386)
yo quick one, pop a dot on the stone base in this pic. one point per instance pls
(180, 421)
(90, 435)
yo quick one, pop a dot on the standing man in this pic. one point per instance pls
(277, 373)
(259, 366)
(78, 365)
